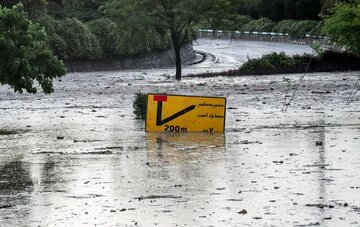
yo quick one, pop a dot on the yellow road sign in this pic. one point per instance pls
(175, 113)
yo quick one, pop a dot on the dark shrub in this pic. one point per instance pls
(71, 38)
(303, 28)
(285, 26)
(81, 43)
(238, 22)
(104, 29)
(269, 63)
(261, 25)
(139, 105)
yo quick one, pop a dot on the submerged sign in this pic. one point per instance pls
(175, 113)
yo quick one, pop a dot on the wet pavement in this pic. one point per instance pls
(78, 157)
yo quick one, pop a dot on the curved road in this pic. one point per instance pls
(230, 54)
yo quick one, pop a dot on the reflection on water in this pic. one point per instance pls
(14, 176)
(201, 179)
(181, 148)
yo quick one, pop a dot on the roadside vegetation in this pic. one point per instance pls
(281, 63)
(25, 62)
(139, 106)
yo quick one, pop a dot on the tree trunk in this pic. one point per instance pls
(177, 63)
(177, 47)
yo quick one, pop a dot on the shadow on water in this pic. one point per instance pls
(15, 176)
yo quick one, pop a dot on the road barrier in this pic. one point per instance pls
(267, 36)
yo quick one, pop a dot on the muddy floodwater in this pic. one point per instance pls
(78, 157)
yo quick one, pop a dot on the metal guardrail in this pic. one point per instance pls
(221, 32)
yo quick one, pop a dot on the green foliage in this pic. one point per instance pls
(285, 26)
(318, 29)
(104, 30)
(135, 33)
(81, 43)
(221, 17)
(297, 28)
(84, 10)
(247, 7)
(55, 42)
(139, 105)
(304, 27)
(23, 58)
(235, 23)
(261, 25)
(317, 50)
(327, 61)
(71, 39)
(268, 63)
(34, 8)
(343, 26)
(276, 63)
(142, 23)
(278, 10)
(328, 5)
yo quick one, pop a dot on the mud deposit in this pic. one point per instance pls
(78, 157)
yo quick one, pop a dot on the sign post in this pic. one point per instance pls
(175, 113)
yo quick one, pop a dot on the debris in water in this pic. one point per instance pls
(243, 211)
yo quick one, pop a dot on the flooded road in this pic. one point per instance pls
(78, 157)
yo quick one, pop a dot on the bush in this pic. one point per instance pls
(285, 26)
(71, 39)
(303, 28)
(298, 28)
(343, 26)
(274, 63)
(139, 106)
(104, 29)
(327, 61)
(81, 43)
(54, 41)
(261, 25)
(317, 30)
(269, 63)
(238, 22)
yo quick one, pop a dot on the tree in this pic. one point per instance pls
(327, 5)
(84, 10)
(34, 8)
(134, 33)
(177, 18)
(224, 15)
(23, 58)
(104, 30)
(343, 26)
(308, 9)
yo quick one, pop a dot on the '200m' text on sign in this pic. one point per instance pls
(176, 113)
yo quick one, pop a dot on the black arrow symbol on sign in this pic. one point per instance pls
(160, 122)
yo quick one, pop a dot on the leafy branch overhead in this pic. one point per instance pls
(343, 26)
(23, 58)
